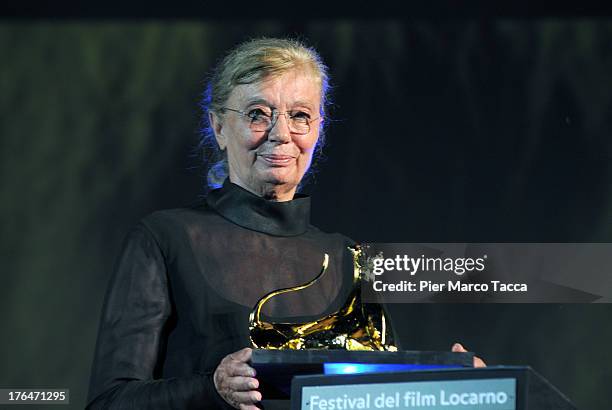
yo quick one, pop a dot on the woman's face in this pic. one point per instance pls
(270, 163)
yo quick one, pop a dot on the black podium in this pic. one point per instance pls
(276, 368)
(341, 380)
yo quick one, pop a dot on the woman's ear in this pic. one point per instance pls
(217, 126)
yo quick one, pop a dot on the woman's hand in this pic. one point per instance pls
(478, 362)
(235, 380)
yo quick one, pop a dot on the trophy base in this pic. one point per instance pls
(276, 368)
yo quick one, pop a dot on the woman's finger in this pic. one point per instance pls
(248, 407)
(478, 362)
(240, 369)
(242, 355)
(243, 383)
(458, 348)
(247, 397)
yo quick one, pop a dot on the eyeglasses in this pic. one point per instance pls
(263, 119)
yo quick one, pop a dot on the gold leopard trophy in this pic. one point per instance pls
(355, 326)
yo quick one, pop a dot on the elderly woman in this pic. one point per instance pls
(174, 328)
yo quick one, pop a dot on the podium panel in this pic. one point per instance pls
(493, 388)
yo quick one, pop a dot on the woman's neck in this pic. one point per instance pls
(269, 191)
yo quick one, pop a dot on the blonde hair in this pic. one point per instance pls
(251, 62)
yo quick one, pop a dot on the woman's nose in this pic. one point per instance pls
(280, 129)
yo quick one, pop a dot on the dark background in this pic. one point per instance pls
(479, 128)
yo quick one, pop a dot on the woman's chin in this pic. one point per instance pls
(280, 176)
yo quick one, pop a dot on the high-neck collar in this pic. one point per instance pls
(288, 218)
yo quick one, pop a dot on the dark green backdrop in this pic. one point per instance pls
(491, 130)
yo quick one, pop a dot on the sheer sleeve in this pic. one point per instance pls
(131, 338)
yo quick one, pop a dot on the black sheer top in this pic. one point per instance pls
(185, 283)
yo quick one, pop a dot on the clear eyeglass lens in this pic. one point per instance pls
(262, 121)
(260, 118)
(299, 125)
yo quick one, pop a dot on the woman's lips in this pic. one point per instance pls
(277, 160)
